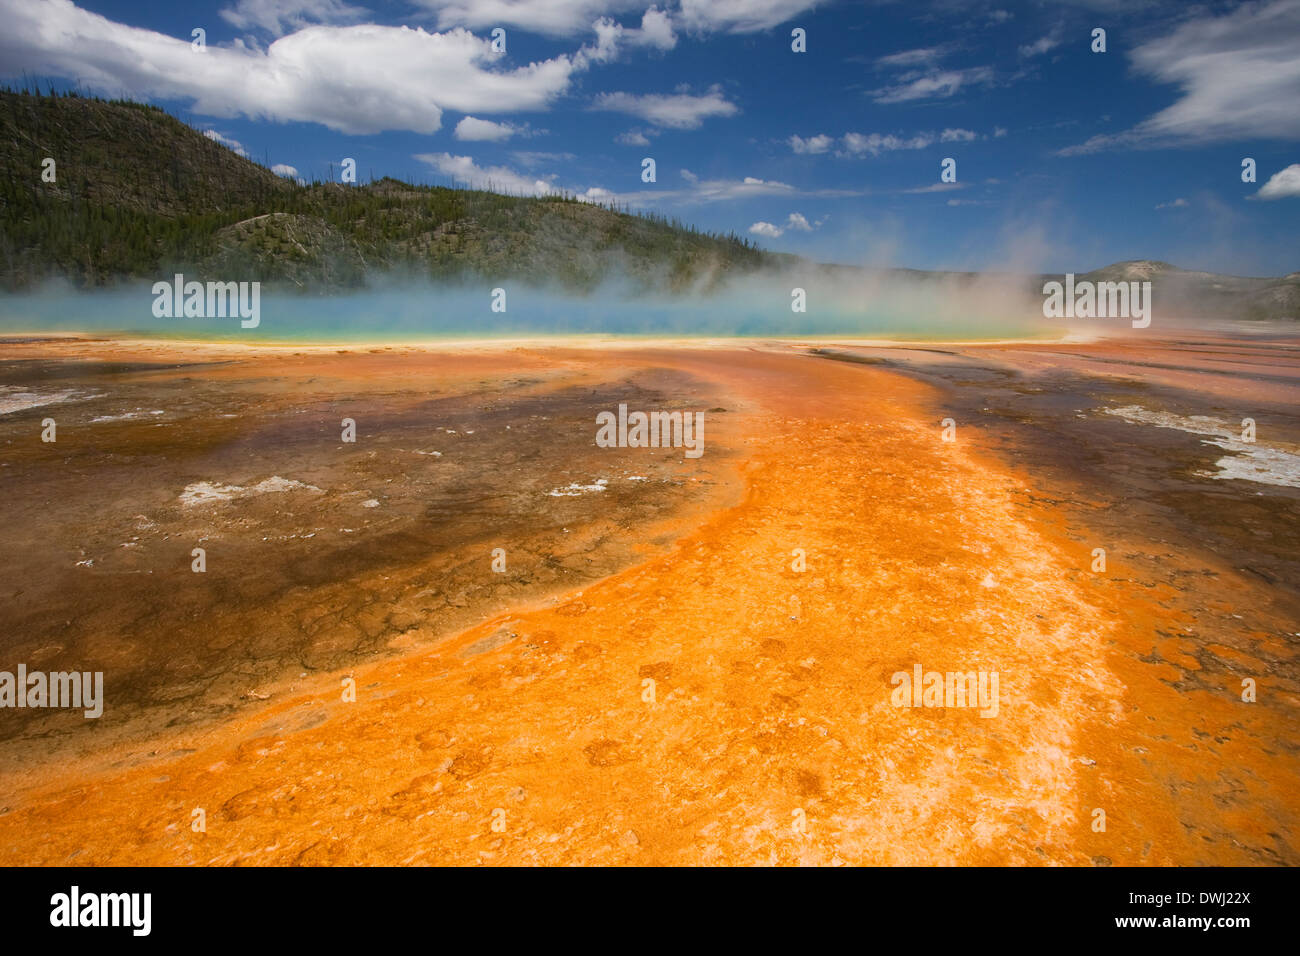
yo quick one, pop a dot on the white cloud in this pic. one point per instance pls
(353, 79)
(278, 17)
(1178, 203)
(499, 179)
(1239, 77)
(657, 30)
(567, 18)
(935, 188)
(537, 158)
(856, 144)
(288, 172)
(795, 221)
(231, 144)
(598, 195)
(929, 54)
(935, 84)
(999, 132)
(1042, 44)
(813, 144)
(919, 75)
(608, 36)
(694, 191)
(718, 190)
(1284, 184)
(698, 190)
(634, 137)
(860, 144)
(742, 16)
(676, 110)
(472, 130)
(549, 17)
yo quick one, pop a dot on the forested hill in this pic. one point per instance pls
(137, 194)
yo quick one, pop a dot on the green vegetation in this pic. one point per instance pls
(138, 194)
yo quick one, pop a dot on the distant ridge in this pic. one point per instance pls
(1189, 294)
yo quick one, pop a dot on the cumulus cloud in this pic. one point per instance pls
(278, 17)
(598, 195)
(858, 144)
(635, 137)
(608, 37)
(1239, 77)
(861, 144)
(288, 172)
(1178, 203)
(1282, 185)
(657, 30)
(557, 18)
(231, 144)
(674, 110)
(813, 144)
(566, 18)
(499, 179)
(742, 16)
(352, 79)
(473, 130)
(796, 222)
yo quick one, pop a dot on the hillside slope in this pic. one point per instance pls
(139, 194)
(1190, 294)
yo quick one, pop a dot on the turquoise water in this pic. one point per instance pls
(414, 314)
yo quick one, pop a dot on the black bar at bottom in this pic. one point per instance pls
(328, 907)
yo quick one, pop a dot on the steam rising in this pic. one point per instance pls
(841, 301)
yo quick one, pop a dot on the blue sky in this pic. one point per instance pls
(1066, 159)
